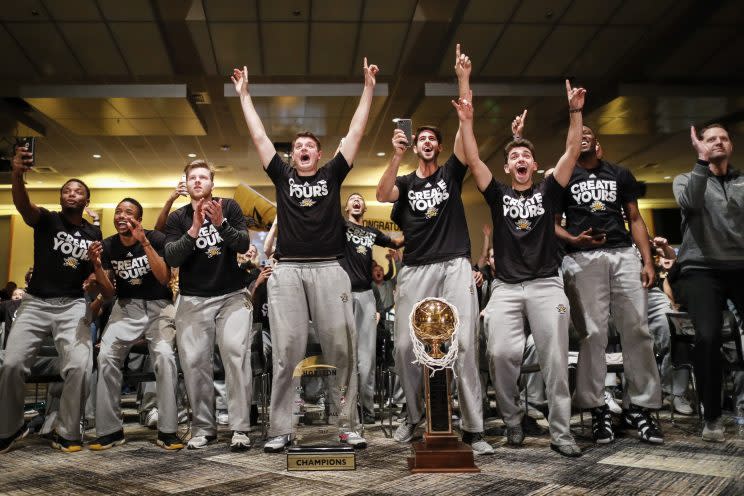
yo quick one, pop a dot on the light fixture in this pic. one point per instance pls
(541, 171)
(225, 148)
(667, 177)
(192, 155)
(286, 155)
(95, 155)
(380, 154)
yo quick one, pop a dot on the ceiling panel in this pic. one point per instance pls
(605, 52)
(489, 11)
(33, 10)
(726, 62)
(49, 51)
(284, 10)
(332, 10)
(559, 50)
(590, 12)
(137, 39)
(130, 10)
(514, 49)
(389, 10)
(475, 41)
(94, 47)
(642, 11)
(236, 45)
(540, 10)
(693, 52)
(285, 44)
(73, 10)
(732, 12)
(230, 10)
(383, 53)
(14, 62)
(203, 44)
(332, 48)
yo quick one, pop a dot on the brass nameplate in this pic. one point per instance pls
(328, 460)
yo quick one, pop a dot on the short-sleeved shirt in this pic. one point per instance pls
(525, 246)
(212, 269)
(308, 208)
(61, 262)
(131, 267)
(431, 214)
(357, 261)
(595, 198)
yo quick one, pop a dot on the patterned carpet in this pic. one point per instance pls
(684, 465)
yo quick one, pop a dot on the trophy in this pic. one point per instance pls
(434, 322)
(320, 413)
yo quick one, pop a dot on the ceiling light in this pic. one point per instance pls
(95, 155)
(286, 155)
(192, 155)
(225, 148)
(667, 177)
(380, 154)
(541, 171)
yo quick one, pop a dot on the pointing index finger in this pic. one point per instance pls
(457, 52)
(568, 86)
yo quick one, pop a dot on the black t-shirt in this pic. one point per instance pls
(357, 261)
(212, 269)
(61, 262)
(525, 246)
(431, 214)
(595, 198)
(131, 267)
(308, 207)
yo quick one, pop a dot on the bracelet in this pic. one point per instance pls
(574, 110)
(146, 245)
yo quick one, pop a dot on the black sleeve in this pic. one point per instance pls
(383, 239)
(456, 169)
(235, 232)
(553, 192)
(277, 169)
(178, 244)
(628, 186)
(106, 255)
(494, 193)
(157, 240)
(402, 183)
(338, 167)
(44, 217)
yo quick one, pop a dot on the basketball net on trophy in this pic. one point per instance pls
(434, 330)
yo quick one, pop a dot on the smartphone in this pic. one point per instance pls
(405, 125)
(29, 143)
(183, 180)
(598, 233)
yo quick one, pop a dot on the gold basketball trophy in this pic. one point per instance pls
(433, 322)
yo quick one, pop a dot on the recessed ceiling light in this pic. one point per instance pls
(95, 155)
(225, 148)
(541, 171)
(192, 155)
(286, 155)
(380, 154)
(667, 177)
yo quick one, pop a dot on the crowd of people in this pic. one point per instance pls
(567, 259)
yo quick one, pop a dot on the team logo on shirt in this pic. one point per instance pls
(344, 297)
(136, 281)
(71, 262)
(213, 251)
(362, 250)
(73, 246)
(561, 308)
(521, 210)
(597, 206)
(593, 191)
(429, 199)
(308, 193)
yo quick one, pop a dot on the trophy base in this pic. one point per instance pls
(315, 458)
(441, 453)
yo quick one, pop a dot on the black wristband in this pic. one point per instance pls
(575, 110)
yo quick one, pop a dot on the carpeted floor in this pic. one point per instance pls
(683, 465)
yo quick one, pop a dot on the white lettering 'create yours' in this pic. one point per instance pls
(69, 245)
(208, 236)
(523, 208)
(308, 190)
(360, 237)
(130, 269)
(593, 190)
(422, 201)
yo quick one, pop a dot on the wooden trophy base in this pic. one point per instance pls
(439, 453)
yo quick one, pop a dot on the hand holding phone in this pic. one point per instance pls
(405, 125)
(29, 143)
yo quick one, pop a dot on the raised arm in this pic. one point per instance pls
(463, 68)
(103, 277)
(163, 215)
(483, 260)
(22, 161)
(387, 191)
(479, 170)
(565, 166)
(690, 191)
(261, 141)
(158, 266)
(359, 120)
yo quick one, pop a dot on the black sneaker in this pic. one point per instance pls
(602, 425)
(7, 442)
(66, 445)
(108, 441)
(641, 419)
(368, 418)
(169, 441)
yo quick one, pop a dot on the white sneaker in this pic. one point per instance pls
(353, 439)
(682, 405)
(611, 402)
(222, 418)
(151, 419)
(404, 432)
(240, 441)
(199, 442)
(713, 431)
(276, 444)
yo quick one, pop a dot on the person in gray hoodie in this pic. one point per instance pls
(711, 258)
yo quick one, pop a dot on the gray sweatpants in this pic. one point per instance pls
(299, 292)
(131, 319)
(200, 320)
(65, 320)
(453, 281)
(545, 305)
(366, 329)
(600, 282)
(672, 381)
